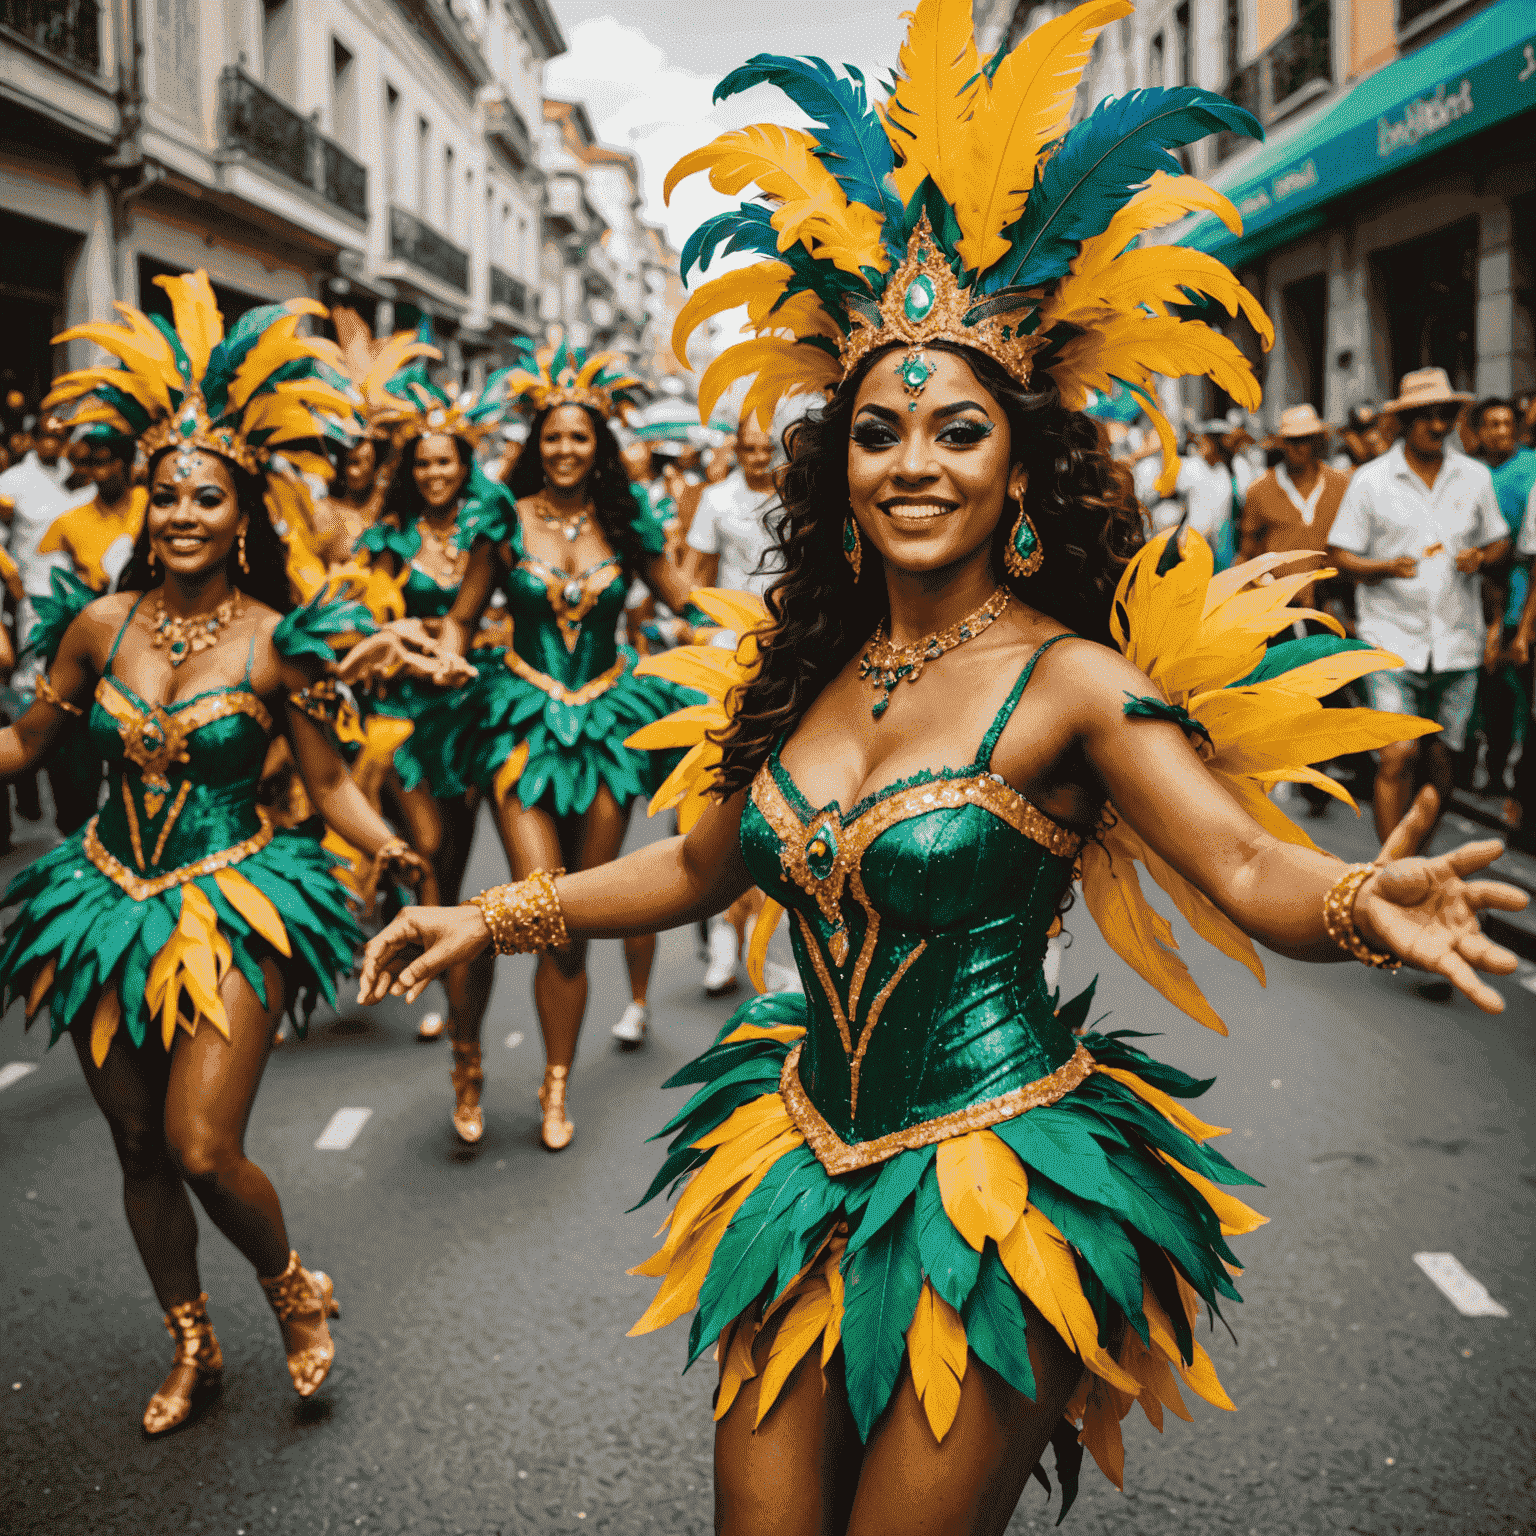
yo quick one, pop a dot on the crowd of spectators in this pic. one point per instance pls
(1426, 508)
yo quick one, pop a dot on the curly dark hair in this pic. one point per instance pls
(1080, 500)
(404, 503)
(265, 552)
(608, 485)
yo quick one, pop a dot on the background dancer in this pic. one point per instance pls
(170, 934)
(930, 1227)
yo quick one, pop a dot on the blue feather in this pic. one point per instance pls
(740, 229)
(850, 139)
(1096, 169)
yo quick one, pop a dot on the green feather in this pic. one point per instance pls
(897, 1179)
(881, 1284)
(1290, 654)
(994, 1323)
(949, 1262)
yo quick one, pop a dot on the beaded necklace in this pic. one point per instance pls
(885, 664)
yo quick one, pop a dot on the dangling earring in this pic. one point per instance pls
(1023, 556)
(152, 563)
(853, 550)
(243, 566)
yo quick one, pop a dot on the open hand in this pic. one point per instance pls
(1425, 912)
(410, 650)
(439, 936)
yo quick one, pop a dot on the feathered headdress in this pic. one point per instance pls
(965, 209)
(561, 374)
(261, 390)
(400, 399)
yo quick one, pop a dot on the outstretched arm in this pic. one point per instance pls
(1423, 911)
(64, 692)
(660, 886)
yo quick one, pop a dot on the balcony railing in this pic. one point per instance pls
(509, 291)
(68, 29)
(1296, 59)
(421, 245)
(266, 129)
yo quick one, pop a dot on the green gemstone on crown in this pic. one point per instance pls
(919, 297)
(915, 372)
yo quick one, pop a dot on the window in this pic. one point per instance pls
(1155, 62)
(391, 143)
(423, 166)
(279, 47)
(343, 96)
(447, 209)
(1181, 40)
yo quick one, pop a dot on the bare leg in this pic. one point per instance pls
(129, 1089)
(639, 957)
(212, 1087)
(912, 1485)
(1394, 785)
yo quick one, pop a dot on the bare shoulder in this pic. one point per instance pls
(1089, 680)
(107, 615)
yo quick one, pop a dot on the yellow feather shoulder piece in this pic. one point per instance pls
(1201, 640)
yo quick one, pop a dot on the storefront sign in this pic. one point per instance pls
(1422, 117)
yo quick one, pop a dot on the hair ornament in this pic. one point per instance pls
(257, 391)
(967, 208)
(562, 374)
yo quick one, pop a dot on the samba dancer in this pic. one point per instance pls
(168, 936)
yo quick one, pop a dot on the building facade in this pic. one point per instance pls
(380, 153)
(1390, 214)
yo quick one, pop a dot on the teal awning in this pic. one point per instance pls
(1482, 74)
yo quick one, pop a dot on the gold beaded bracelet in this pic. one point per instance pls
(48, 694)
(524, 918)
(1339, 918)
(390, 848)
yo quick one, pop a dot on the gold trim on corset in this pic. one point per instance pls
(558, 691)
(171, 816)
(824, 976)
(141, 890)
(134, 839)
(837, 1156)
(882, 997)
(558, 584)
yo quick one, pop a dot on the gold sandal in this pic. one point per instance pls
(468, 1077)
(301, 1296)
(195, 1375)
(556, 1131)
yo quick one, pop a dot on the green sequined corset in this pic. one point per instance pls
(919, 925)
(565, 625)
(183, 776)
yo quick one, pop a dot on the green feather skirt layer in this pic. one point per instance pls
(445, 720)
(99, 938)
(1113, 1246)
(572, 748)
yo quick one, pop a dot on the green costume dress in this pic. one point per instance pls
(434, 753)
(899, 1154)
(180, 874)
(566, 690)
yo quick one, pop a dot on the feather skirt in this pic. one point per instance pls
(1102, 1206)
(148, 965)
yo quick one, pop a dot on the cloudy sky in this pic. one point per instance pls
(647, 69)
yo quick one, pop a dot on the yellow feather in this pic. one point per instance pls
(148, 358)
(104, 1022)
(1140, 936)
(1036, 1255)
(195, 314)
(983, 1186)
(782, 367)
(1236, 1218)
(684, 1278)
(1166, 1105)
(254, 907)
(279, 344)
(927, 118)
(761, 284)
(757, 950)
(738, 611)
(936, 1353)
(1201, 1378)
(1025, 107)
(799, 316)
(736, 1367)
(801, 1327)
(510, 772)
(682, 728)
(1158, 1388)
(1100, 1435)
(696, 768)
(784, 1033)
(400, 349)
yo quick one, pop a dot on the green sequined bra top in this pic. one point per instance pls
(920, 919)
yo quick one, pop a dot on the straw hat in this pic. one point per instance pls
(1425, 386)
(1301, 421)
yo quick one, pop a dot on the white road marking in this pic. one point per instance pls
(343, 1130)
(1529, 982)
(1464, 1291)
(14, 1071)
(514, 1040)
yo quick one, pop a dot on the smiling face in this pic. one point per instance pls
(362, 462)
(194, 518)
(927, 486)
(567, 447)
(1425, 430)
(437, 471)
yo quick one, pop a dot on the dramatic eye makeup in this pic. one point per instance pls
(873, 431)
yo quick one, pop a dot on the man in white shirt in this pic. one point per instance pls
(1415, 527)
(729, 535)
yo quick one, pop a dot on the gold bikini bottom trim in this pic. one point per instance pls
(141, 890)
(558, 691)
(836, 1156)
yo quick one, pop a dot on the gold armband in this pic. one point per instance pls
(524, 918)
(48, 694)
(1339, 918)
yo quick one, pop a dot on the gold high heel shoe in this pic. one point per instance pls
(556, 1131)
(299, 1295)
(468, 1078)
(196, 1373)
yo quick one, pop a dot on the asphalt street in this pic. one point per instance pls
(484, 1383)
